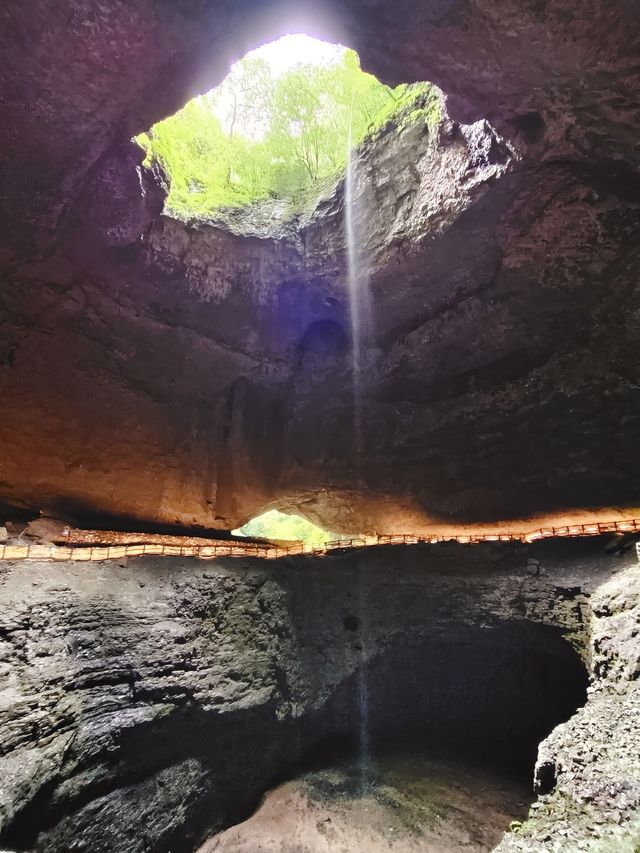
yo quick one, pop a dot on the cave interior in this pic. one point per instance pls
(443, 344)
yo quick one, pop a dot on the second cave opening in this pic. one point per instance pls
(453, 722)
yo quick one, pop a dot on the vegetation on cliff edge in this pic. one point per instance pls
(259, 135)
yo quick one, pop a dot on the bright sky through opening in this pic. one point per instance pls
(292, 49)
(280, 55)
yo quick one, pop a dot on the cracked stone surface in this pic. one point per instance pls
(193, 373)
(593, 758)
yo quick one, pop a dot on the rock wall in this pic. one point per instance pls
(222, 354)
(558, 75)
(145, 706)
(588, 772)
(181, 373)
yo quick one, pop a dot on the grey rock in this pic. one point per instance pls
(137, 718)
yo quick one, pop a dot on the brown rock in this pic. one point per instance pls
(46, 530)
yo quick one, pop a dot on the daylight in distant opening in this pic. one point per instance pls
(276, 127)
(279, 525)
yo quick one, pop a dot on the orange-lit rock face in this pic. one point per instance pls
(193, 374)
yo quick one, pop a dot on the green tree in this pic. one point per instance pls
(278, 525)
(254, 136)
(312, 110)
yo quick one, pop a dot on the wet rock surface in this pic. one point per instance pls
(559, 76)
(146, 707)
(156, 371)
(408, 804)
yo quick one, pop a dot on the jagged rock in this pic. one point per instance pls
(161, 371)
(119, 199)
(589, 766)
(223, 356)
(46, 530)
(137, 64)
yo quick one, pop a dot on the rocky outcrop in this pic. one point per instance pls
(165, 372)
(162, 372)
(145, 706)
(588, 771)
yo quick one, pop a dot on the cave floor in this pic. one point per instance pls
(406, 803)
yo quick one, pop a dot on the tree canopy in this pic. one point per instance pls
(260, 136)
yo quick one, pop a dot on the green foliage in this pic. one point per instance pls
(256, 137)
(411, 103)
(278, 525)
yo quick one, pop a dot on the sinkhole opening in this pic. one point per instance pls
(278, 127)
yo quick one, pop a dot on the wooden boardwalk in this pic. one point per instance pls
(269, 551)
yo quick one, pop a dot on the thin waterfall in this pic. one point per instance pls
(357, 281)
(364, 745)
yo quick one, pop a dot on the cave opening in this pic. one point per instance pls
(486, 694)
(396, 312)
(287, 527)
(454, 719)
(278, 128)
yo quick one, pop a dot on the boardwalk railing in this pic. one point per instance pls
(79, 553)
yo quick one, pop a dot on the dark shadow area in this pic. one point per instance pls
(88, 517)
(324, 337)
(481, 694)
(210, 767)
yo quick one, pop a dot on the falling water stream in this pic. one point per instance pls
(364, 750)
(357, 281)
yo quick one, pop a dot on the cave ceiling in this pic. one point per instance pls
(193, 373)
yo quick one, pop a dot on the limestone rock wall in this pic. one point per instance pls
(146, 705)
(557, 75)
(588, 772)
